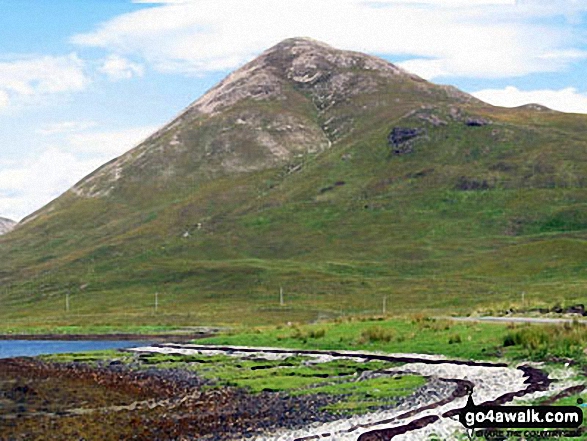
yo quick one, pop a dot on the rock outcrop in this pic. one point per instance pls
(6, 225)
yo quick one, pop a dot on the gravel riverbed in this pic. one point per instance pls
(436, 403)
(114, 401)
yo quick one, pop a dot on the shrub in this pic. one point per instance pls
(377, 334)
(317, 333)
(426, 322)
(567, 340)
(420, 318)
(298, 334)
(509, 340)
(440, 325)
(455, 338)
(302, 335)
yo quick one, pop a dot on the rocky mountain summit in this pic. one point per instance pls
(6, 225)
(297, 98)
(328, 74)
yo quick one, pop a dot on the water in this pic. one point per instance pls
(30, 348)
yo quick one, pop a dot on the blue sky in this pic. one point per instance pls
(81, 82)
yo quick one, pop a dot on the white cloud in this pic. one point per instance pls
(376, 2)
(427, 69)
(564, 100)
(31, 182)
(36, 181)
(569, 54)
(508, 62)
(34, 77)
(4, 99)
(65, 127)
(119, 68)
(108, 144)
(43, 75)
(477, 38)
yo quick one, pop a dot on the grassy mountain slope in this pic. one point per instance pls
(332, 174)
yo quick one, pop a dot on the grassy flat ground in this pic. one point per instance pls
(425, 335)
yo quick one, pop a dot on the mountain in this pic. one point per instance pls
(333, 175)
(6, 225)
(297, 98)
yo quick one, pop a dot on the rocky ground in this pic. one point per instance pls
(111, 400)
(6, 225)
(430, 412)
(40, 401)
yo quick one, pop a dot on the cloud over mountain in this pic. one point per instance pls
(483, 39)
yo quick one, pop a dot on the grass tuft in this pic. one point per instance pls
(568, 340)
(377, 334)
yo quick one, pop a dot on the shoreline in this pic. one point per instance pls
(107, 337)
(131, 400)
(115, 401)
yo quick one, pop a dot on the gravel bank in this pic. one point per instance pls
(433, 410)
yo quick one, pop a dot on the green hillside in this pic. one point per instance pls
(333, 175)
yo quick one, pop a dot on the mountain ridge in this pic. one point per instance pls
(345, 180)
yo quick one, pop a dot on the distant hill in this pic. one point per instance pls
(334, 175)
(6, 225)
